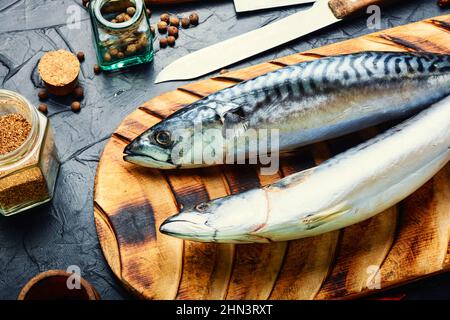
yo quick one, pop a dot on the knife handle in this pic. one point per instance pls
(344, 8)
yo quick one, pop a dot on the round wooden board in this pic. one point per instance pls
(402, 244)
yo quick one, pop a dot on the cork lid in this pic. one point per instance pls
(59, 68)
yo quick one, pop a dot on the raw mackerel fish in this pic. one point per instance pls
(304, 103)
(344, 190)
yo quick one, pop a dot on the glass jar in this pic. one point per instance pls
(120, 44)
(28, 173)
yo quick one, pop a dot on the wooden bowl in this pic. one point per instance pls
(51, 285)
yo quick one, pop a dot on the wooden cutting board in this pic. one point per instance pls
(405, 243)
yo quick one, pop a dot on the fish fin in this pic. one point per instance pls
(234, 122)
(317, 219)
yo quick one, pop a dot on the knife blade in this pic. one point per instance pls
(252, 5)
(322, 14)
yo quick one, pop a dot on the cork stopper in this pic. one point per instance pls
(59, 70)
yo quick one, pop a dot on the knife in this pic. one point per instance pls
(251, 5)
(322, 14)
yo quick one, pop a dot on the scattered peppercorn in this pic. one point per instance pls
(174, 21)
(43, 95)
(80, 56)
(194, 19)
(97, 69)
(443, 3)
(171, 41)
(162, 27)
(78, 93)
(165, 17)
(131, 11)
(173, 31)
(163, 43)
(185, 23)
(43, 108)
(75, 106)
(152, 30)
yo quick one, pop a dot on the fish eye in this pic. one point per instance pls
(202, 207)
(163, 138)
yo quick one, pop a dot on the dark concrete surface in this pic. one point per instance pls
(63, 233)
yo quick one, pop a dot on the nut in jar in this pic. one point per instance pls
(29, 163)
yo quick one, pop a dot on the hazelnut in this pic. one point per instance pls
(162, 27)
(75, 106)
(43, 95)
(163, 43)
(165, 17)
(185, 23)
(171, 41)
(174, 21)
(97, 69)
(107, 56)
(173, 31)
(80, 56)
(131, 11)
(194, 19)
(78, 93)
(43, 108)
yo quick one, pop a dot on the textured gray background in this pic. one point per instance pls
(63, 233)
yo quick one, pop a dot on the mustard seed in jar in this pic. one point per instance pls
(28, 159)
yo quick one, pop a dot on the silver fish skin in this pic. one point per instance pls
(344, 190)
(306, 103)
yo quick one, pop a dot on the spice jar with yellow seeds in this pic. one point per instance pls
(29, 163)
(122, 33)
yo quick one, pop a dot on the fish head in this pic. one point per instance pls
(232, 219)
(180, 141)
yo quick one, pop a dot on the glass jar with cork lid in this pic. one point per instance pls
(122, 33)
(29, 163)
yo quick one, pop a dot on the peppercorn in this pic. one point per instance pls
(78, 93)
(113, 52)
(107, 56)
(131, 11)
(80, 56)
(194, 19)
(165, 17)
(173, 31)
(149, 12)
(75, 106)
(131, 48)
(174, 21)
(152, 30)
(43, 95)
(185, 23)
(162, 27)
(97, 69)
(43, 108)
(171, 41)
(443, 3)
(120, 55)
(163, 43)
